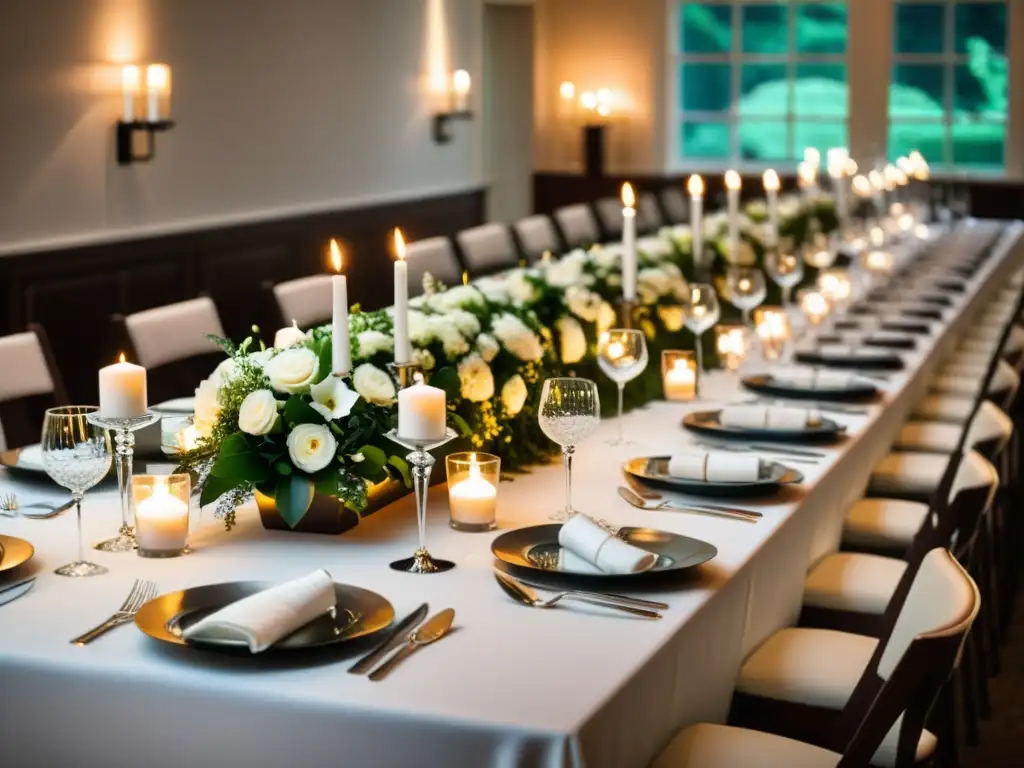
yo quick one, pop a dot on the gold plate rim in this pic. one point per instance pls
(19, 548)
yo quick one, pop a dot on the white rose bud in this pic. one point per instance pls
(573, 342)
(258, 412)
(373, 384)
(311, 447)
(293, 370)
(207, 407)
(513, 395)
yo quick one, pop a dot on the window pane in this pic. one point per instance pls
(916, 91)
(706, 87)
(984, 96)
(764, 140)
(765, 28)
(821, 134)
(705, 28)
(821, 28)
(927, 138)
(980, 26)
(705, 140)
(979, 145)
(764, 89)
(820, 89)
(919, 28)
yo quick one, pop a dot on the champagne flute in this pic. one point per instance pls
(570, 411)
(700, 312)
(622, 356)
(76, 455)
(747, 289)
(786, 269)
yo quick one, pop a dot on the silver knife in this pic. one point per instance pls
(396, 635)
(16, 590)
(436, 627)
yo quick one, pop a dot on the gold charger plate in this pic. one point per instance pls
(360, 613)
(14, 552)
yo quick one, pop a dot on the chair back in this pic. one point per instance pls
(648, 213)
(535, 235)
(305, 301)
(577, 225)
(30, 384)
(435, 255)
(609, 216)
(487, 249)
(677, 209)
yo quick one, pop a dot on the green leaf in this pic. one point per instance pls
(249, 467)
(447, 378)
(214, 488)
(403, 469)
(369, 471)
(282, 467)
(298, 411)
(326, 481)
(233, 444)
(460, 424)
(293, 496)
(373, 454)
(324, 357)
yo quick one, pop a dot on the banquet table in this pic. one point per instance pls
(511, 686)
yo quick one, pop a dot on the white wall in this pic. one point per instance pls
(282, 107)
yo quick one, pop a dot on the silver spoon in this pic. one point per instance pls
(526, 596)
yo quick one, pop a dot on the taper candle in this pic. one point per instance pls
(771, 190)
(629, 257)
(403, 352)
(733, 182)
(695, 186)
(341, 359)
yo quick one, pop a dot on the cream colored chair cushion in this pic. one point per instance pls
(487, 248)
(24, 368)
(174, 332)
(884, 522)
(579, 228)
(989, 423)
(853, 581)
(955, 409)
(305, 301)
(609, 212)
(536, 235)
(435, 256)
(722, 746)
(921, 473)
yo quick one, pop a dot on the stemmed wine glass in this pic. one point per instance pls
(76, 455)
(700, 312)
(570, 411)
(747, 289)
(622, 356)
(786, 269)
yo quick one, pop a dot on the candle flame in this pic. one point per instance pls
(130, 78)
(158, 77)
(461, 81)
(588, 100)
(812, 156)
(567, 90)
(771, 180)
(120, 358)
(399, 244)
(732, 179)
(628, 197)
(695, 186)
(335, 255)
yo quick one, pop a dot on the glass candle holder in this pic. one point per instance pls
(161, 514)
(177, 435)
(731, 345)
(878, 261)
(836, 285)
(679, 375)
(772, 326)
(473, 490)
(815, 306)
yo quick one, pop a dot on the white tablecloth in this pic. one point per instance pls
(512, 687)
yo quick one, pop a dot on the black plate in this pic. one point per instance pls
(907, 343)
(766, 385)
(707, 422)
(653, 471)
(880, 363)
(536, 548)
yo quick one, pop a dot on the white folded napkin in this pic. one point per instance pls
(589, 541)
(834, 351)
(262, 619)
(570, 561)
(768, 416)
(31, 457)
(715, 466)
(807, 377)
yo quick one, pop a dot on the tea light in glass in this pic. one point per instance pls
(772, 326)
(731, 345)
(877, 261)
(815, 306)
(473, 490)
(836, 285)
(161, 514)
(679, 375)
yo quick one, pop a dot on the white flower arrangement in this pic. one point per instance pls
(476, 378)
(516, 337)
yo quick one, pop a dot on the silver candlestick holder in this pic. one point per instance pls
(403, 374)
(421, 464)
(124, 454)
(627, 312)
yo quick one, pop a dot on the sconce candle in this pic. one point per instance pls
(403, 352)
(678, 375)
(772, 325)
(629, 258)
(161, 514)
(131, 83)
(341, 359)
(158, 92)
(731, 344)
(771, 189)
(460, 90)
(473, 490)
(123, 391)
(695, 186)
(733, 182)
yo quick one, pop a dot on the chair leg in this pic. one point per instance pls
(968, 688)
(947, 750)
(993, 655)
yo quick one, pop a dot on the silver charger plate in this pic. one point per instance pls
(360, 612)
(767, 384)
(536, 548)
(709, 423)
(653, 470)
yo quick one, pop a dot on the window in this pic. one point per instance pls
(948, 90)
(759, 81)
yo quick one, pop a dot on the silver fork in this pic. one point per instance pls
(9, 505)
(142, 592)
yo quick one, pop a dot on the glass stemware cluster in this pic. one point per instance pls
(621, 356)
(570, 411)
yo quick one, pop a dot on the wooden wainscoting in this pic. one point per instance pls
(72, 292)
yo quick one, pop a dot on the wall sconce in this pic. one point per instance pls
(459, 107)
(157, 110)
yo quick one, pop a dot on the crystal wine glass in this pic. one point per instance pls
(786, 269)
(76, 455)
(570, 411)
(622, 356)
(747, 289)
(819, 252)
(700, 312)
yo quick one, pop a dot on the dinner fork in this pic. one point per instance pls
(142, 592)
(9, 505)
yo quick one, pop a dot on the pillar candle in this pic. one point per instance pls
(680, 382)
(161, 521)
(403, 352)
(341, 360)
(158, 89)
(629, 257)
(695, 186)
(771, 189)
(733, 184)
(123, 391)
(422, 412)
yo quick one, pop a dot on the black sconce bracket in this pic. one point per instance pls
(443, 124)
(125, 133)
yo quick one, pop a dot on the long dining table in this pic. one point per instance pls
(512, 686)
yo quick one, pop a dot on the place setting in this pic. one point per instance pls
(765, 423)
(812, 383)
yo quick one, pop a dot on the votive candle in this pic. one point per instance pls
(123, 390)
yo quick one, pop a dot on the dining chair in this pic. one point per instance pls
(536, 236)
(609, 217)
(649, 218)
(808, 697)
(436, 256)
(487, 249)
(30, 384)
(675, 205)
(305, 301)
(578, 226)
(172, 343)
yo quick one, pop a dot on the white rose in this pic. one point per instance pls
(420, 329)
(606, 318)
(258, 412)
(373, 384)
(586, 305)
(476, 378)
(513, 395)
(311, 447)
(654, 247)
(567, 271)
(207, 407)
(451, 338)
(459, 297)
(494, 288)
(424, 359)
(519, 288)
(517, 337)
(467, 323)
(332, 398)
(372, 342)
(487, 346)
(573, 342)
(671, 317)
(293, 370)
(607, 257)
